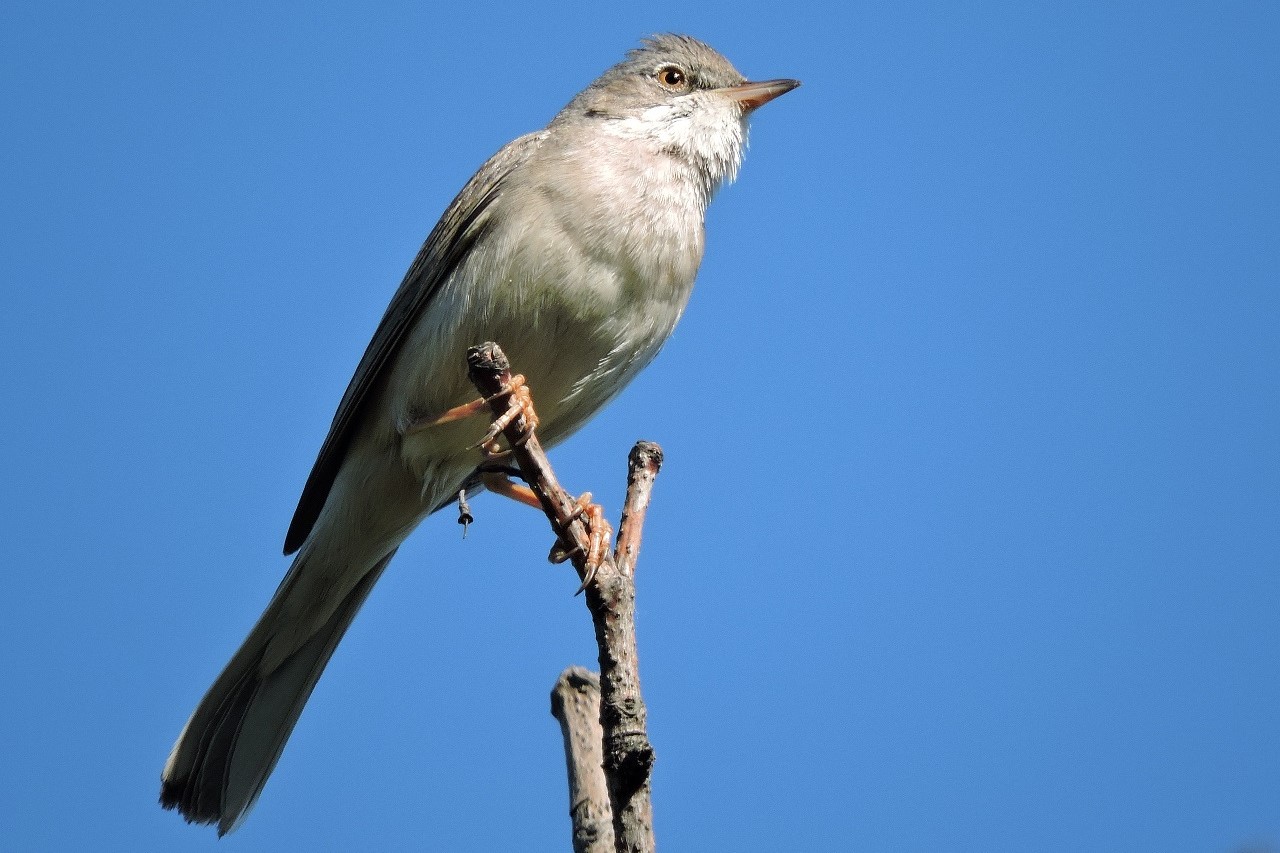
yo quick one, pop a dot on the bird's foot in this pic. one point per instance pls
(599, 532)
(520, 402)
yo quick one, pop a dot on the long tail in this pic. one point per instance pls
(231, 744)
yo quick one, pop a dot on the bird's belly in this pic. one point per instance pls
(578, 336)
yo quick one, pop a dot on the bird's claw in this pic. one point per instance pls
(596, 549)
(519, 403)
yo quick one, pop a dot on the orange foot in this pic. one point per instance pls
(599, 532)
(520, 402)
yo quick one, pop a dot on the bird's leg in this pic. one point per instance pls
(592, 538)
(500, 483)
(498, 479)
(520, 402)
(599, 532)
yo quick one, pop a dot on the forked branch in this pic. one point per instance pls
(610, 596)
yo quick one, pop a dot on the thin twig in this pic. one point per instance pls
(642, 468)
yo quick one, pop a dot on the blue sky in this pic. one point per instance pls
(969, 531)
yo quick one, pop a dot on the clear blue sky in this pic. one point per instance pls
(969, 534)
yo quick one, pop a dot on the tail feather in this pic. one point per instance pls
(232, 742)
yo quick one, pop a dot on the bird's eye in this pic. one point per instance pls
(672, 77)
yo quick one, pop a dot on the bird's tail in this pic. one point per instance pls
(230, 745)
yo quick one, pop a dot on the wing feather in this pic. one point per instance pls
(459, 228)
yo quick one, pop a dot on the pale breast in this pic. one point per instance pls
(581, 275)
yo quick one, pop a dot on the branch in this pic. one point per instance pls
(575, 702)
(610, 596)
(642, 469)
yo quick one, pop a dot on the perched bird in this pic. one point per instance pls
(575, 248)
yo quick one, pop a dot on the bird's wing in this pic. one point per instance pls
(458, 229)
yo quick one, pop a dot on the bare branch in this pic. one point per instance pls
(610, 596)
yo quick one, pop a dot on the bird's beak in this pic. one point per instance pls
(749, 96)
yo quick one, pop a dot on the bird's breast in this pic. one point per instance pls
(580, 285)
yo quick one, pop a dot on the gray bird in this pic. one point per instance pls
(575, 248)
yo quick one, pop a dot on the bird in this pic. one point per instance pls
(575, 247)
